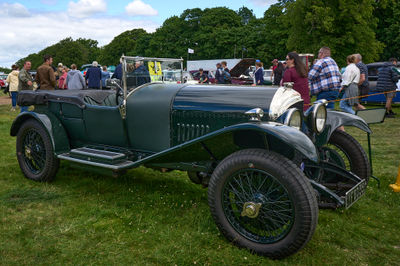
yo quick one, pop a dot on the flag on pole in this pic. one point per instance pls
(190, 51)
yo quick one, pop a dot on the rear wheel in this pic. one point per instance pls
(346, 152)
(35, 152)
(261, 201)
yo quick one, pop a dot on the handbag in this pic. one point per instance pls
(7, 89)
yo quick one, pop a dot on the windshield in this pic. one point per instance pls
(142, 70)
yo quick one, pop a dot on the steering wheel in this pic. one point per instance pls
(118, 91)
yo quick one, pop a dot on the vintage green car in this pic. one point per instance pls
(267, 165)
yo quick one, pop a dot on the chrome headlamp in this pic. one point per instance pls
(293, 118)
(316, 116)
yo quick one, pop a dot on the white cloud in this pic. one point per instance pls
(139, 8)
(86, 8)
(263, 2)
(22, 36)
(13, 10)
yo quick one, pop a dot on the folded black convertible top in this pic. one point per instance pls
(26, 98)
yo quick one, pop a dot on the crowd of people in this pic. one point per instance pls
(49, 78)
(324, 80)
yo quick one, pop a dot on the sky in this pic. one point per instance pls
(29, 26)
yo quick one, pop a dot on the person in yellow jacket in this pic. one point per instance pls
(12, 80)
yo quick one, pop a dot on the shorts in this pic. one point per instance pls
(390, 95)
(363, 91)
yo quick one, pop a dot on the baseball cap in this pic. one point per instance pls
(60, 64)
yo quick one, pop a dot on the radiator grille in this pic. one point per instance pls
(190, 131)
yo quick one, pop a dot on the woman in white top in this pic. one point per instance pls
(350, 79)
(12, 80)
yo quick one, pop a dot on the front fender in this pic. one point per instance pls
(216, 145)
(51, 123)
(336, 119)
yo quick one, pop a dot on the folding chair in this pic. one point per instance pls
(372, 116)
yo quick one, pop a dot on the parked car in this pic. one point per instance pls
(376, 97)
(210, 75)
(3, 82)
(240, 72)
(267, 75)
(178, 76)
(267, 165)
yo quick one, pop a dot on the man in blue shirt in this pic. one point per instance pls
(93, 76)
(324, 78)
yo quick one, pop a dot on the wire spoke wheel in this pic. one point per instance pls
(262, 201)
(257, 206)
(35, 152)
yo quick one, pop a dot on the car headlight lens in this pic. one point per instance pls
(294, 118)
(319, 117)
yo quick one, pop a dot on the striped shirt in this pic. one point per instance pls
(324, 76)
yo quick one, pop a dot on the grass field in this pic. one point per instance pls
(149, 218)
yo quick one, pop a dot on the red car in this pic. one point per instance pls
(3, 83)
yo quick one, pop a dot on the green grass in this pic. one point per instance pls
(150, 218)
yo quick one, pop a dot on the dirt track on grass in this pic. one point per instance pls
(5, 99)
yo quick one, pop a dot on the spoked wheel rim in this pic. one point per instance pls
(337, 156)
(34, 151)
(258, 206)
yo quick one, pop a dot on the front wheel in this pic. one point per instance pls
(35, 152)
(261, 201)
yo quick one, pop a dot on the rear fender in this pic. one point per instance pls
(51, 123)
(217, 145)
(336, 119)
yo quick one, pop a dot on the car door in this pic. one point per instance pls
(104, 125)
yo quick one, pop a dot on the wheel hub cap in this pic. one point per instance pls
(251, 209)
(28, 153)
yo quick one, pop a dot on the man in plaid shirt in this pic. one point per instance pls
(324, 77)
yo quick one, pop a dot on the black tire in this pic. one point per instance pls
(287, 217)
(35, 152)
(353, 155)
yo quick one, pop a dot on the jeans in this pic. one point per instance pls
(14, 95)
(345, 106)
(24, 109)
(329, 96)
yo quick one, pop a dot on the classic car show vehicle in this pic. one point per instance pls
(267, 165)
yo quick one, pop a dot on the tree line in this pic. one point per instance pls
(368, 27)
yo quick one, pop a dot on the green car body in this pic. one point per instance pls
(206, 130)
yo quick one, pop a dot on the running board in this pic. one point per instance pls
(99, 158)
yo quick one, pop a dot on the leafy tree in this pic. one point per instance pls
(246, 15)
(124, 43)
(274, 32)
(5, 70)
(388, 29)
(347, 27)
(92, 48)
(66, 51)
(214, 33)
